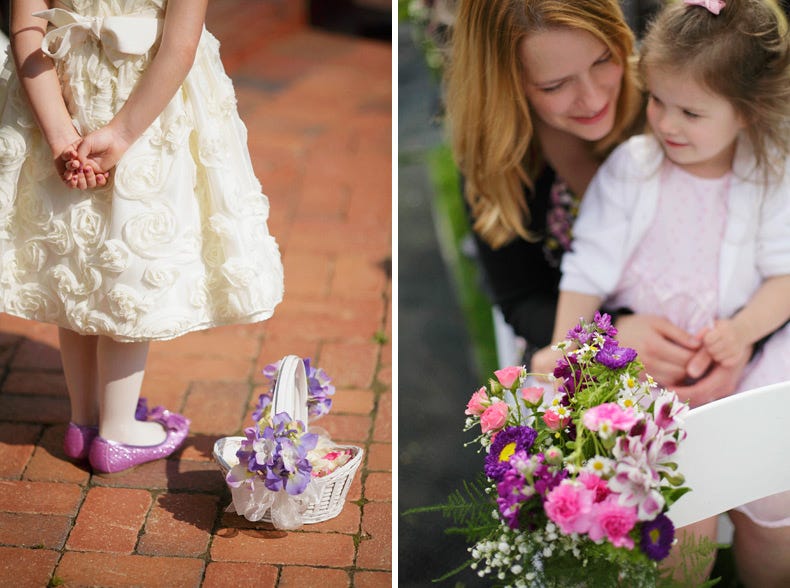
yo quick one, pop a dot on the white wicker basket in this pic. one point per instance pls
(290, 395)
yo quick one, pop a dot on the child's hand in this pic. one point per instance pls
(544, 361)
(64, 156)
(724, 343)
(84, 178)
(102, 149)
(74, 174)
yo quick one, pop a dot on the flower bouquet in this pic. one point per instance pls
(281, 472)
(578, 474)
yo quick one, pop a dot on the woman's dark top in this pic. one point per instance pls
(523, 277)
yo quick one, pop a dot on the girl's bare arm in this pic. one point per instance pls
(37, 76)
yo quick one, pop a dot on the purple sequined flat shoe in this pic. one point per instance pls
(78, 439)
(110, 457)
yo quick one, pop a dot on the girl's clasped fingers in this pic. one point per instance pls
(84, 178)
(90, 177)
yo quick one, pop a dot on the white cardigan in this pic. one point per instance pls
(620, 204)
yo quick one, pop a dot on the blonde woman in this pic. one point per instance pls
(538, 93)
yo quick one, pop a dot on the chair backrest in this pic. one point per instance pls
(737, 450)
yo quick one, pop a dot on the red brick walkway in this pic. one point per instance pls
(318, 111)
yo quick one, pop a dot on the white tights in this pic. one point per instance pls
(103, 378)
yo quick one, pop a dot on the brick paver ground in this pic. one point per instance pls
(318, 110)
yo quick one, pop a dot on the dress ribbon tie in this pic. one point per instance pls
(120, 36)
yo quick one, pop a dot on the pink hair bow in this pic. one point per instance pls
(714, 6)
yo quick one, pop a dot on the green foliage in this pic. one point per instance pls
(469, 508)
(452, 227)
(696, 554)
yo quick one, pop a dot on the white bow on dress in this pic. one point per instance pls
(119, 35)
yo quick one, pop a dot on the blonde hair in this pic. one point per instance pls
(488, 116)
(742, 55)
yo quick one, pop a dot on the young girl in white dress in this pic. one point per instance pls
(692, 222)
(129, 211)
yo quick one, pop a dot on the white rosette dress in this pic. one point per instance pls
(178, 240)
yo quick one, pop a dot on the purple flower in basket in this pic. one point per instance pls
(264, 401)
(319, 388)
(277, 454)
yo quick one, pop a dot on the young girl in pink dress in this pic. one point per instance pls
(692, 222)
(129, 102)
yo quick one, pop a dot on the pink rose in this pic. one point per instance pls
(569, 506)
(557, 418)
(532, 395)
(507, 376)
(494, 417)
(613, 521)
(478, 403)
(619, 418)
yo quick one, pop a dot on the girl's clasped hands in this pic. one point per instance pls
(80, 174)
(86, 163)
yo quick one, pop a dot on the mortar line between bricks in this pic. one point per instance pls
(377, 387)
(62, 551)
(221, 506)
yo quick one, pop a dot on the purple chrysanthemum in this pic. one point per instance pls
(584, 332)
(506, 443)
(569, 375)
(546, 477)
(579, 333)
(510, 492)
(614, 357)
(657, 537)
(604, 324)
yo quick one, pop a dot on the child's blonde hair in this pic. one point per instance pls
(741, 54)
(489, 118)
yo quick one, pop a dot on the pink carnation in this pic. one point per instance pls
(620, 419)
(569, 506)
(613, 521)
(596, 485)
(509, 375)
(494, 417)
(532, 395)
(478, 402)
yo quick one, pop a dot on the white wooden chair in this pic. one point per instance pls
(736, 451)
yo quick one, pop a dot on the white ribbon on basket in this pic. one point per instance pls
(286, 511)
(252, 501)
(120, 36)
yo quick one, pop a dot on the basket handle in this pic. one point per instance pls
(290, 390)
